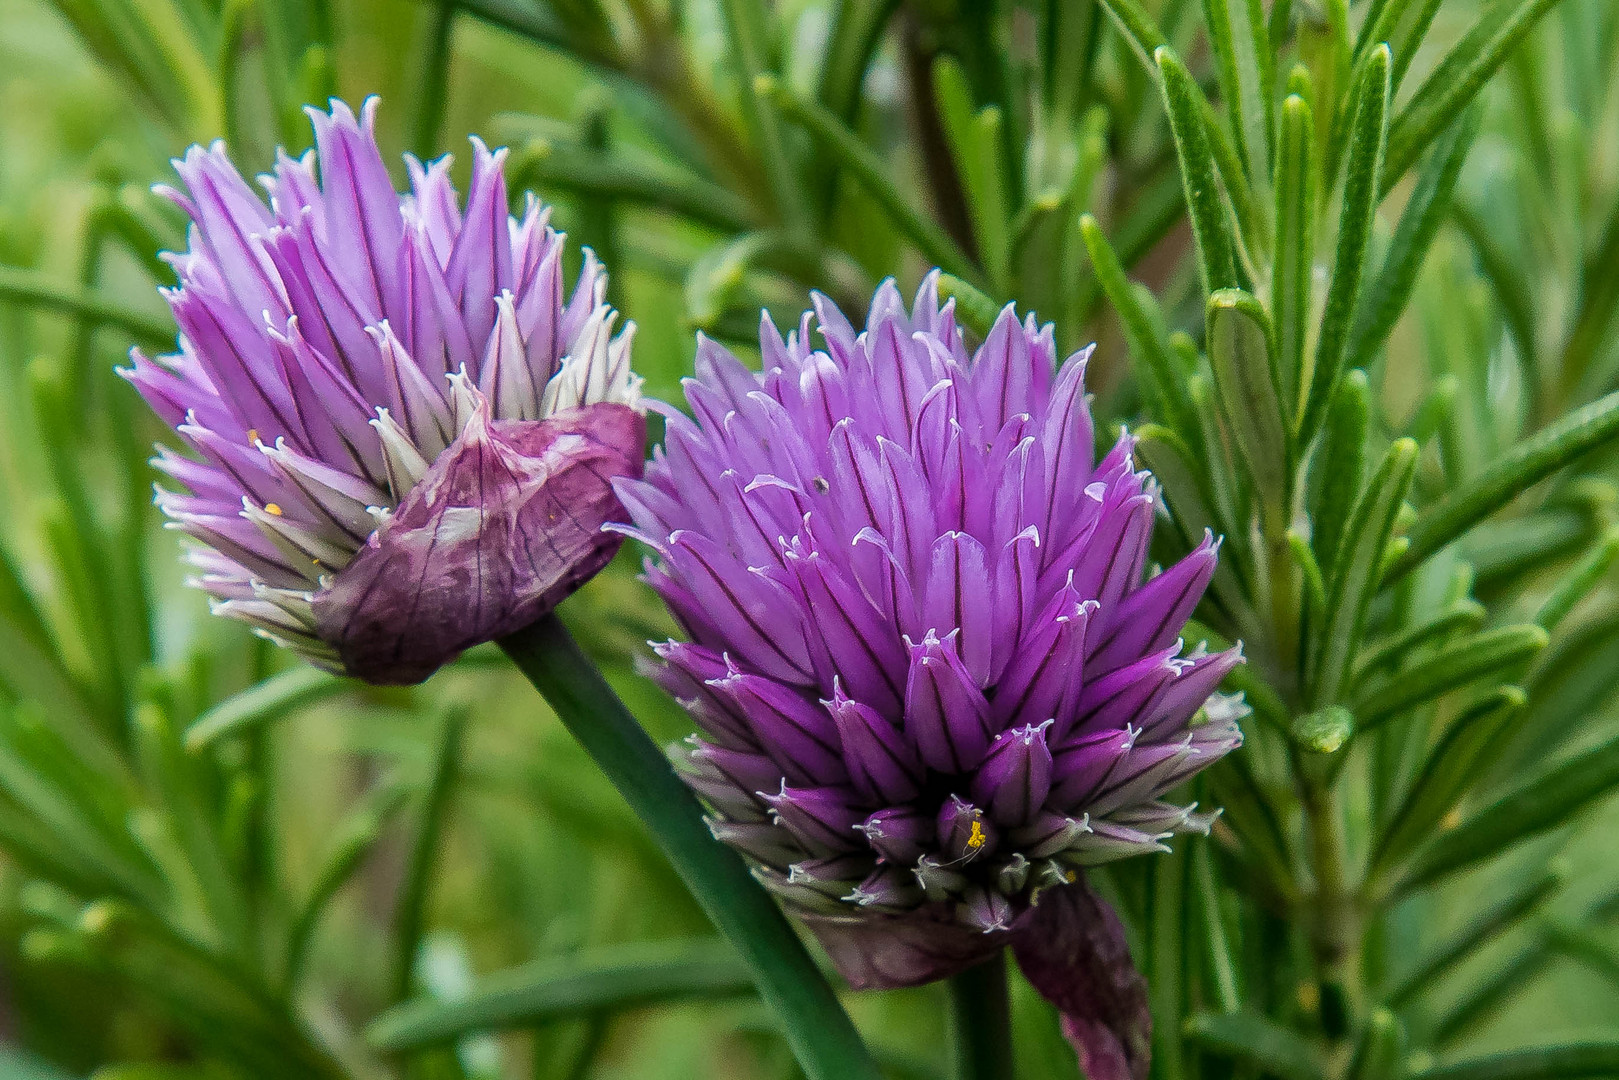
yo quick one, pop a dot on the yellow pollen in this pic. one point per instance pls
(252, 436)
(1071, 877)
(975, 839)
(273, 509)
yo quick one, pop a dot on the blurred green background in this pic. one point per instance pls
(539, 859)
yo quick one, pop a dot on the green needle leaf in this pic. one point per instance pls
(30, 289)
(617, 178)
(747, 26)
(1368, 134)
(1245, 380)
(354, 838)
(1137, 28)
(1294, 265)
(1465, 616)
(1258, 1042)
(1455, 82)
(1529, 462)
(976, 311)
(1539, 1063)
(1578, 582)
(1479, 932)
(1545, 802)
(1382, 1044)
(1354, 574)
(275, 696)
(614, 978)
(1144, 331)
(873, 174)
(1242, 51)
(1502, 652)
(1339, 465)
(1210, 224)
(975, 145)
(1387, 295)
(1451, 768)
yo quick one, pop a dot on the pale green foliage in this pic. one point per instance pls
(1354, 270)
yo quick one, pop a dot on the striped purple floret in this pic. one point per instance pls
(932, 672)
(404, 429)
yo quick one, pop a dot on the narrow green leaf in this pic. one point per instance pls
(1549, 800)
(612, 978)
(419, 871)
(857, 27)
(1137, 28)
(1228, 486)
(1368, 135)
(269, 700)
(1465, 616)
(975, 145)
(1353, 582)
(974, 310)
(1238, 34)
(1599, 295)
(873, 174)
(1479, 931)
(1251, 235)
(430, 69)
(1583, 945)
(1245, 381)
(1166, 987)
(1294, 265)
(1143, 330)
(557, 166)
(1257, 1042)
(173, 774)
(1454, 83)
(1377, 23)
(1408, 39)
(1513, 292)
(1540, 1063)
(222, 1002)
(1315, 582)
(1531, 461)
(1339, 465)
(1501, 653)
(1205, 892)
(747, 27)
(1381, 1046)
(1387, 294)
(1444, 778)
(1210, 226)
(352, 841)
(1485, 1001)
(1579, 581)
(1255, 823)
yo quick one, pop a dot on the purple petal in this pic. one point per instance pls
(946, 715)
(1015, 778)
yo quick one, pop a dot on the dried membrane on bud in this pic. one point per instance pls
(934, 677)
(405, 426)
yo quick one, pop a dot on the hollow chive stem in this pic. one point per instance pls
(818, 1030)
(981, 1012)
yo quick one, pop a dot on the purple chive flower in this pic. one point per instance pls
(404, 428)
(933, 675)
